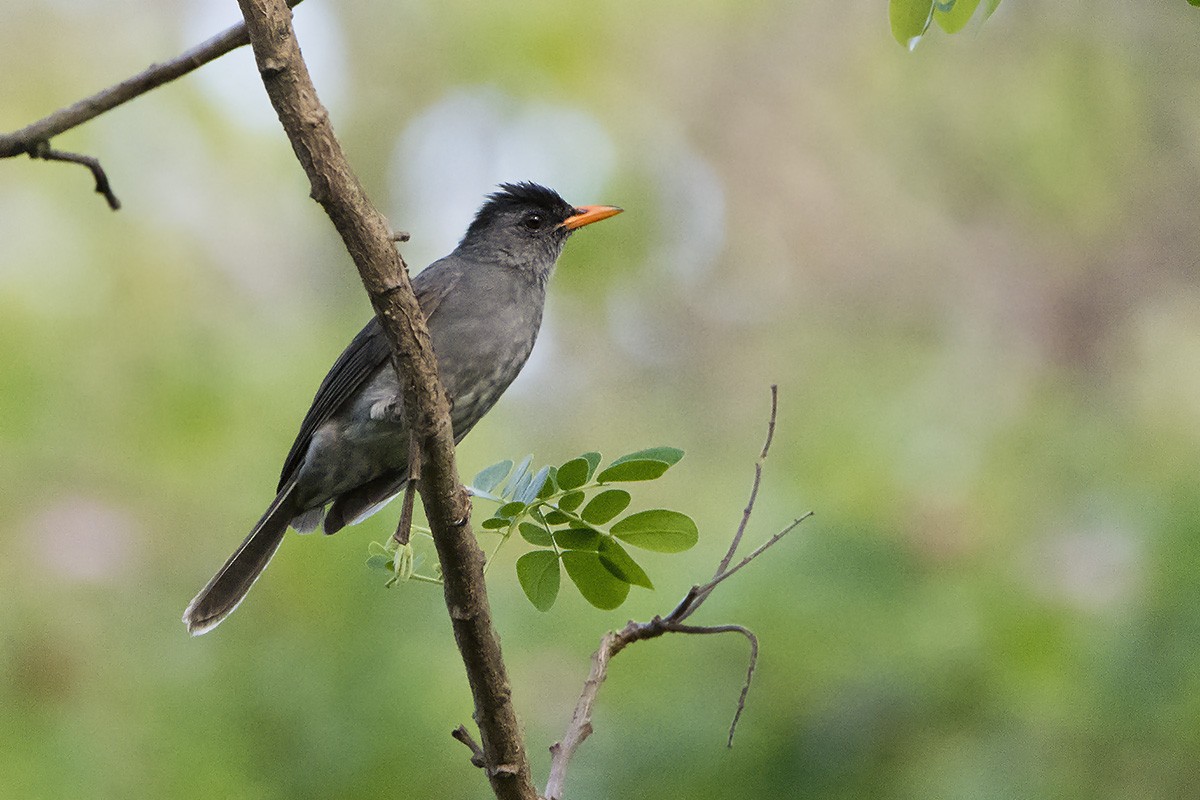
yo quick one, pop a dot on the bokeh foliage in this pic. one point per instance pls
(972, 270)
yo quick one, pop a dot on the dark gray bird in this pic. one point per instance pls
(483, 304)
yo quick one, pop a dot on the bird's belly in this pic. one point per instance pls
(360, 443)
(368, 437)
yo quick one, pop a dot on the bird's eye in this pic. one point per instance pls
(533, 221)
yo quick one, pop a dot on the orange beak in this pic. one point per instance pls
(586, 215)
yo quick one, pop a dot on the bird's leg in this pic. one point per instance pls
(404, 528)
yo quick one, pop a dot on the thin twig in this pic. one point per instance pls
(753, 640)
(404, 527)
(43, 151)
(758, 467)
(758, 551)
(463, 735)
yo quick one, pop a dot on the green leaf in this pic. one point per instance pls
(489, 477)
(518, 475)
(522, 487)
(597, 584)
(616, 560)
(639, 470)
(671, 455)
(510, 510)
(570, 501)
(577, 539)
(910, 19)
(380, 562)
(573, 474)
(604, 506)
(659, 530)
(556, 518)
(952, 17)
(593, 458)
(539, 576)
(495, 523)
(534, 487)
(549, 486)
(535, 534)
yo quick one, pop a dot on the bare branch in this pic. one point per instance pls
(758, 465)
(369, 240)
(707, 588)
(46, 153)
(463, 735)
(581, 719)
(616, 641)
(753, 640)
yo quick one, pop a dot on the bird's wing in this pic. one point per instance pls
(357, 363)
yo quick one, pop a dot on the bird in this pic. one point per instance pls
(483, 306)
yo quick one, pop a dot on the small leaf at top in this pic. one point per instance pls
(577, 539)
(573, 474)
(517, 476)
(539, 576)
(522, 487)
(659, 530)
(671, 455)
(639, 470)
(604, 506)
(531, 491)
(535, 534)
(593, 458)
(597, 585)
(489, 477)
(556, 518)
(614, 559)
(570, 501)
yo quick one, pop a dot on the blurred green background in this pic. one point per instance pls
(972, 271)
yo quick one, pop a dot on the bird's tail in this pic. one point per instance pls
(229, 586)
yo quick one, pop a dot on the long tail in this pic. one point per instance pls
(229, 586)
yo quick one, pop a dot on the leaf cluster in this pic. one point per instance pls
(572, 516)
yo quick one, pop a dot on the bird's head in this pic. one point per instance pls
(525, 225)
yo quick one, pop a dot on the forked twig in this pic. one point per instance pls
(614, 642)
(34, 138)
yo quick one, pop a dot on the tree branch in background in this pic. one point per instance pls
(43, 151)
(370, 242)
(34, 138)
(614, 642)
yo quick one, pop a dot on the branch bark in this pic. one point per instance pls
(369, 240)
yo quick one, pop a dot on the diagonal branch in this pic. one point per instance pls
(369, 240)
(614, 642)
